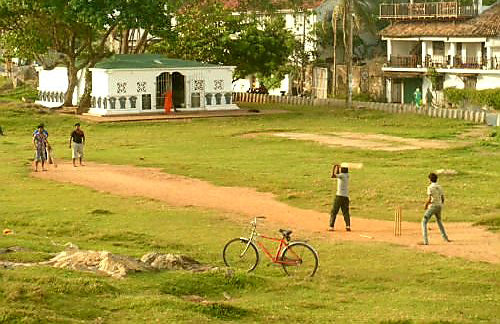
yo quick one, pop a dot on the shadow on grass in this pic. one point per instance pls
(209, 284)
(223, 311)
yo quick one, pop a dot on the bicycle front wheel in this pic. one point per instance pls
(299, 260)
(241, 254)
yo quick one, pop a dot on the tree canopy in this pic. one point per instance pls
(211, 33)
(76, 31)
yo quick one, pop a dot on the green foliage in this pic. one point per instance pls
(434, 76)
(26, 91)
(209, 32)
(487, 97)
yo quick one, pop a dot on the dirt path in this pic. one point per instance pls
(375, 142)
(469, 242)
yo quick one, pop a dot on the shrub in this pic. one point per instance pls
(487, 97)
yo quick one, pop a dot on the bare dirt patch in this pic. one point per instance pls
(376, 142)
(470, 242)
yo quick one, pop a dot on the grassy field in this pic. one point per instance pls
(368, 283)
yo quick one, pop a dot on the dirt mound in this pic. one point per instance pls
(104, 262)
(118, 266)
(173, 262)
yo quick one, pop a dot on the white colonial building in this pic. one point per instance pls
(455, 45)
(133, 84)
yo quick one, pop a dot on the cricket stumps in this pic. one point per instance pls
(398, 215)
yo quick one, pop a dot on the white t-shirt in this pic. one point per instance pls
(342, 184)
(436, 192)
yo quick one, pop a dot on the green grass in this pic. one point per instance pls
(364, 283)
(24, 91)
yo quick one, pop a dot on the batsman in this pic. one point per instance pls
(341, 173)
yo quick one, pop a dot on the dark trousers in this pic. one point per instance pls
(340, 202)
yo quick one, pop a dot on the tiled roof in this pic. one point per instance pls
(146, 61)
(281, 4)
(485, 25)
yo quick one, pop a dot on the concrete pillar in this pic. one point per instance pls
(187, 91)
(464, 52)
(424, 52)
(479, 55)
(489, 62)
(452, 53)
(389, 50)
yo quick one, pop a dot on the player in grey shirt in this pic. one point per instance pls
(342, 197)
(434, 206)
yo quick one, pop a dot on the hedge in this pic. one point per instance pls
(487, 97)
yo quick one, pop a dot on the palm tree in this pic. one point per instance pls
(355, 13)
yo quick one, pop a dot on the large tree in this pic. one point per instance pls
(209, 32)
(75, 32)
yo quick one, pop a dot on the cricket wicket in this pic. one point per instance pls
(398, 214)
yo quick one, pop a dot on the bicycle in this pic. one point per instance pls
(297, 258)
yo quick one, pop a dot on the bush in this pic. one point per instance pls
(487, 97)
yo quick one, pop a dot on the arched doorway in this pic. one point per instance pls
(178, 95)
(163, 84)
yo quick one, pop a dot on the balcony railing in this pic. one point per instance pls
(411, 61)
(443, 62)
(429, 10)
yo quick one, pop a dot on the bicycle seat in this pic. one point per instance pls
(286, 233)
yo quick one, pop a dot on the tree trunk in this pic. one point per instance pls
(72, 82)
(334, 23)
(348, 50)
(141, 44)
(124, 41)
(9, 68)
(84, 104)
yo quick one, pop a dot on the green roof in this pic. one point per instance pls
(147, 61)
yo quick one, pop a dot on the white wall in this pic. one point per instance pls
(56, 80)
(53, 80)
(402, 48)
(134, 83)
(488, 82)
(453, 81)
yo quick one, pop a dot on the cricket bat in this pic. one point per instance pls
(351, 165)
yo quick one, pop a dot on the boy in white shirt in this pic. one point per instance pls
(342, 197)
(433, 206)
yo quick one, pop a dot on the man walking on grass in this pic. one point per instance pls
(77, 139)
(40, 144)
(341, 173)
(433, 206)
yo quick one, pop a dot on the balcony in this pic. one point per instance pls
(429, 10)
(400, 61)
(443, 62)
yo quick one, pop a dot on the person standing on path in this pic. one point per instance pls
(40, 144)
(418, 98)
(342, 197)
(434, 206)
(77, 139)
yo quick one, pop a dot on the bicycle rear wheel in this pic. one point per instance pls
(240, 254)
(299, 260)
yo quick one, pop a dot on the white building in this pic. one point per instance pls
(142, 83)
(458, 45)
